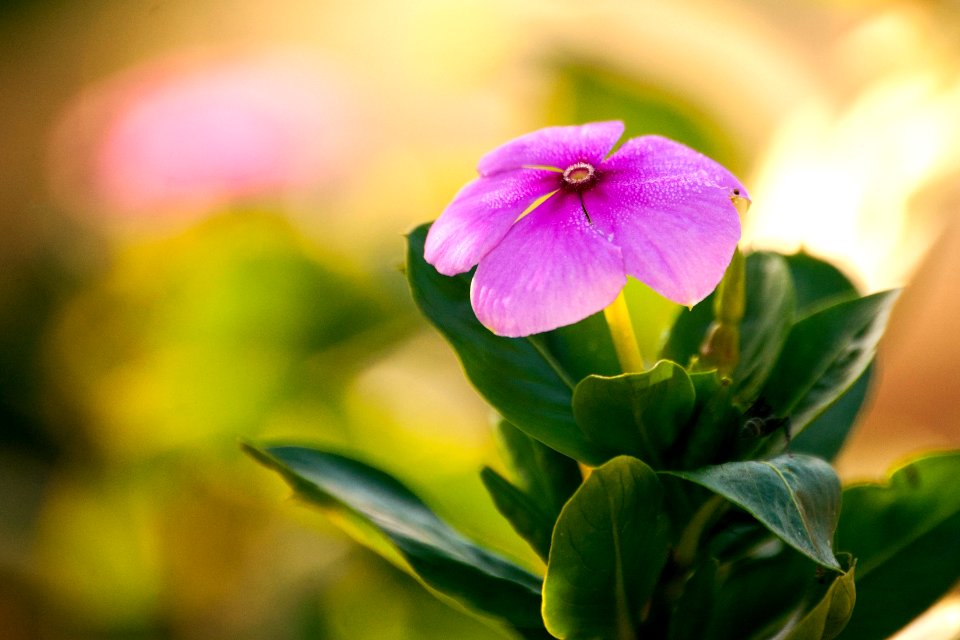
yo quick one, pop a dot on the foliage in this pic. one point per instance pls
(709, 509)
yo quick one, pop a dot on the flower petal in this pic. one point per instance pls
(557, 147)
(668, 208)
(649, 158)
(480, 215)
(550, 270)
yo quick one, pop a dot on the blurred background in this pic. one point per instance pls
(202, 208)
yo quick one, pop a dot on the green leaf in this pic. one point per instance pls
(905, 536)
(383, 514)
(609, 547)
(825, 436)
(639, 414)
(523, 381)
(756, 595)
(690, 618)
(549, 478)
(817, 283)
(796, 497)
(715, 425)
(767, 318)
(526, 517)
(829, 616)
(768, 314)
(824, 355)
(688, 332)
(583, 348)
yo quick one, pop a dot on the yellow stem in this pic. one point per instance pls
(624, 339)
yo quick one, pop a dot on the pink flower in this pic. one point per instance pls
(187, 134)
(655, 210)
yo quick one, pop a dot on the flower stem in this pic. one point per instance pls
(624, 339)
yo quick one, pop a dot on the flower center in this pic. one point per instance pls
(579, 176)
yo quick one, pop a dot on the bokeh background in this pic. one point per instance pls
(201, 215)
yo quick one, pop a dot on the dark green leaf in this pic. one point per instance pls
(526, 517)
(609, 547)
(386, 516)
(715, 424)
(817, 284)
(906, 538)
(797, 497)
(639, 414)
(519, 376)
(583, 348)
(766, 321)
(692, 614)
(827, 618)
(757, 594)
(736, 536)
(824, 355)
(549, 478)
(824, 437)
(688, 332)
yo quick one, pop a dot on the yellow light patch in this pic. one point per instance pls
(536, 203)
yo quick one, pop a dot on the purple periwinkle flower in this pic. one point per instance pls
(555, 226)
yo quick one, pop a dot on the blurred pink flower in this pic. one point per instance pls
(655, 210)
(184, 136)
